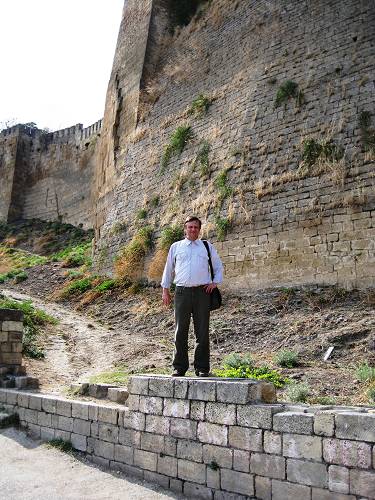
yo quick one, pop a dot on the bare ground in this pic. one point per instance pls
(136, 332)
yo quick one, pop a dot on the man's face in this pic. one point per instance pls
(192, 230)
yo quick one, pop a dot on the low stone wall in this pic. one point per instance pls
(11, 328)
(211, 439)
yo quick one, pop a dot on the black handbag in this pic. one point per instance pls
(215, 295)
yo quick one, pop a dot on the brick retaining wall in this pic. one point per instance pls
(11, 328)
(209, 439)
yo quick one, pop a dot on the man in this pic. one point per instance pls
(188, 262)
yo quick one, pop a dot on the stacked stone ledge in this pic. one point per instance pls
(11, 328)
(215, 439)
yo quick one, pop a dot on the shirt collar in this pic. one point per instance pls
(188, 242)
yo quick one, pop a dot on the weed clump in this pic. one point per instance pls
(298, 393)
(367, 133)
(200, 105)
(75, 256)
(312, 151)
(221, 182)
(286, 359)
(202, 158)
(142, 214)
(129, 262)
(366, 373)
(168, 236)
(288, 90)
(60, 444)
(222, 227)
(177, 143)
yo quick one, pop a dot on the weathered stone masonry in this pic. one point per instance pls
(210, 439)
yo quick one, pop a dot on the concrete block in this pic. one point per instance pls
(319, 494)
(241, 460)
(176, 408)
(258, 416)
(79, 442)
(357, 426)
(202, 390)
(152, 442)
(362, 483)
(338, 479)
(349, 453)
(82, 427)
(191, 471)
(124, 454)
(190, 450)
(64, 408)
(293, 422)
(108, 414)
(212, 433)
(309, 473)
(197, 409)
(129, 437)
(151, 405)
(263, 488)
(219, 455)
(237, 482)
(220, 413)
(193, 490)
(272, 442)
(267, 465)
(324, 423)
(167, 465)
(183, 428)
(299, 446)
(162, 387)
(245, 438)
(157, 424)
(138, 385)
(282, 490)
(155, 478)
(108, 432)
(80, 410)
(133, 402)
(181, 389)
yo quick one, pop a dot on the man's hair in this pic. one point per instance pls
(192, 218)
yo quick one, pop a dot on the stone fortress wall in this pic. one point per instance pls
(290, 222)
(48, 175)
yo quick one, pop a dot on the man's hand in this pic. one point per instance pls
(166, 297)
(210, 287)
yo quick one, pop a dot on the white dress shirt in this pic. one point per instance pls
(188, 261)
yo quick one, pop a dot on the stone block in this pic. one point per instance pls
(324, 423)
(263, 487)
(181, 389)
(13, 315)
(11, 358)
(183, 428)
(338, 479)
(241, 460)
(133, 402)
(33, 431)
(245, 438)
(93, 411)
(197, 409)
(22, 400)
(257, 416)
(170, 445)
(212, 433)
(4, 337)
(190, 450)
(309, 473)
(11, 397)
(267, 465)
(44, 419)
(162, 387)
(191, 471)
(138, 385)
(300, 446)
(99, 391)
(293, 422)
(118, 395)
(175, 485)
(49, 404)
(152, 442)
(237, 482)
(219, 455)
(16, 337)
(176, 408)
(108, 432)
(155, 478)
(65, 436)
(272, 442)
(349, 453)
(31, 416)
(129, 437)
(167, 465)
(151, 405)
(124, 454)
(220, 413)
(193, 490)
(64, 408)
(357, 426)
(80, 410)
(35, 402)
(102, 462)
(319, 494)
(79, 442)
(47, 434)
(82, 427)
(282, 490)
(65, 423)
(238, 391)
(108, 414)
(362, 483)
(103, 449)
(12, 326)
(202, 390)
(157, 424)
(225, 495)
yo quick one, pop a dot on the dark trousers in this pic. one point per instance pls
(192, 301)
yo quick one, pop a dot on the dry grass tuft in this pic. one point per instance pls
(138, 134)
(156, 268)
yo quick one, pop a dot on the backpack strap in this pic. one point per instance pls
(205, 243)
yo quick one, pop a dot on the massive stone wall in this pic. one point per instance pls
(291, 221)
(49, 176)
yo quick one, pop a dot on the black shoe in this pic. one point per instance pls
(178, 373)
(198, 373)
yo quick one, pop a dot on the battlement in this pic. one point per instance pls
(20, 129)
(95, 128)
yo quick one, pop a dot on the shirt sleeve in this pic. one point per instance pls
(166, 280)
(217, 265)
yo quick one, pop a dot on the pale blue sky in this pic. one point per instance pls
(56, 59)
